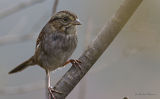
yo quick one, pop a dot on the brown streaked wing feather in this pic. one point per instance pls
(39, 38)
(48, 28)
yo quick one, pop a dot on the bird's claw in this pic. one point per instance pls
(51, 91)
(76, 63)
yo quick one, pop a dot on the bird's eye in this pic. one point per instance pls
(65, 19)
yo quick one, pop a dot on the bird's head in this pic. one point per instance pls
(64, 20)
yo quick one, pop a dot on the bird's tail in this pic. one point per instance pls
(24, 65)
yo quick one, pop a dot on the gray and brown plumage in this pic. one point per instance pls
(55, 44)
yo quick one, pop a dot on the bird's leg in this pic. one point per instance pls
(50, 93)
(50, 88)
(73, 62)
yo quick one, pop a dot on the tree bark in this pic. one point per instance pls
(96, 48)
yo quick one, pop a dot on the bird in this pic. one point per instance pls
(55, 44)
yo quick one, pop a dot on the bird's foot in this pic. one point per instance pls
(51, 91)
(74, 63)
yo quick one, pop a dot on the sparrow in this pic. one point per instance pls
(55, 44)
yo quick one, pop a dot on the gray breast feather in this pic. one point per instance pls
(57, 48)
(59, 42)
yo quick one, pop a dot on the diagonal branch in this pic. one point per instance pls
(83, 84)
(98, 46)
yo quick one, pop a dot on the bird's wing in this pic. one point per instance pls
(48, 28)
(40, 37)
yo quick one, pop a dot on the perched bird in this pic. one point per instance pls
(55, 44)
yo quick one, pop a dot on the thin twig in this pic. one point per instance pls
(55, 6)
(19, 7)
(98, 46)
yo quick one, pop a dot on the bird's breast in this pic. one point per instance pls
(57, 48)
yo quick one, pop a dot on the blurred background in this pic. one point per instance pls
(129, 67)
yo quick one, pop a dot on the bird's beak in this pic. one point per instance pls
(77, 22)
